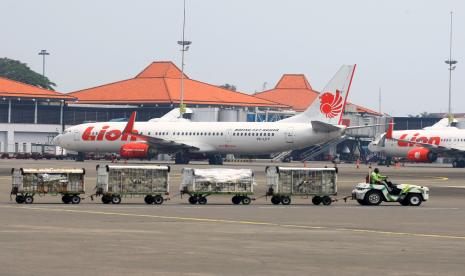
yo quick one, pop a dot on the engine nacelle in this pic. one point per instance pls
(422, 155)
(136, 150)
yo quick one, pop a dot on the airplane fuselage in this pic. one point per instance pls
(208, 137)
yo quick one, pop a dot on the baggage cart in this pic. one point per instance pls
(117, 181)
(285, 182)
(201, 183)
(67, 182)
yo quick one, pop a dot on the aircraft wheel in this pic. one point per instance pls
(316, 200)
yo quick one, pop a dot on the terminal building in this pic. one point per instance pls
(31, 116)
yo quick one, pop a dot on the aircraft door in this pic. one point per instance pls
(228, 136)
(76, 135)
(289, 135)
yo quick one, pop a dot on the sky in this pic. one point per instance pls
(399, 46)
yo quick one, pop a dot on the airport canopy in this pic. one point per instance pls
(160, 83)
(14, 89)
(294, 90)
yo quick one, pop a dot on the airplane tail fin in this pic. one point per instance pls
(129, 128)
(330, 104)
(390, 129)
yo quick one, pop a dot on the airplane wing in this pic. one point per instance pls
(158, 143)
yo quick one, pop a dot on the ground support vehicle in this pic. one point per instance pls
(28, 182)
(405, 194)
(285, 182)
(117, 181)
(201, 183)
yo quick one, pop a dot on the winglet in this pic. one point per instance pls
(129, 128)
(390, 129)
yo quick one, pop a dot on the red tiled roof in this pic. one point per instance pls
(160, 83)
(11, 88)
(294, 90)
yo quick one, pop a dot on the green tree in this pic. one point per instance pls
(15, 70)
(228, 86)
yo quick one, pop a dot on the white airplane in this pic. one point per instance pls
(423, 145)
(321, 122)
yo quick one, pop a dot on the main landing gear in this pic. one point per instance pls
(458, 163)
(215, 159)
(182, 158)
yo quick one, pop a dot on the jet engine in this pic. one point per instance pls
(136, 150)
(422, 155)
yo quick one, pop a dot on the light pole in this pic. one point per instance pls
(452, 65)
(43, 53)
(184, 47)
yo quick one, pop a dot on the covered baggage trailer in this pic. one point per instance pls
(67, 182)
(201, 183)
(285, 182)
(117, 181)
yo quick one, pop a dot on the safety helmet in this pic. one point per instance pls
(376, 170)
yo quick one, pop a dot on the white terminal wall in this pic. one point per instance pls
(27, 134)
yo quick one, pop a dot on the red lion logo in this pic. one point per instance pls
(331, 105)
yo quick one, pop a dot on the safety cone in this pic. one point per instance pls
(358, 163)
(305, 164)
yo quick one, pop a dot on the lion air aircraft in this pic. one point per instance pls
(423, 145)
(321, 122)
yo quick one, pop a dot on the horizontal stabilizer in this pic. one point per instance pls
(319, 126)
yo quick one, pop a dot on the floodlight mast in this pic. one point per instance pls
(43, 53)
(184, 47)
(452, 64)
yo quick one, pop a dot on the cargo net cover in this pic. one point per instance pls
(217, 180)
(302, 181)
(133, 180)
(41, 181)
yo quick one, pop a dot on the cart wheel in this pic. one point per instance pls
(285, 200)
(236, 199)
(148, 199)
(202, 200)
(28, 199)
(326, 200)
(404, 202)
(193, 200)
(373, 197)
(414, 199)
(19, 199)
(275, 200)
(246, 200)
(361, 202)
(75, 199)
(158, 199)
(65, 199)
(106, 199)
(316, 200)
(115, 199)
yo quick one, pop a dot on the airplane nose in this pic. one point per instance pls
(57, 140)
